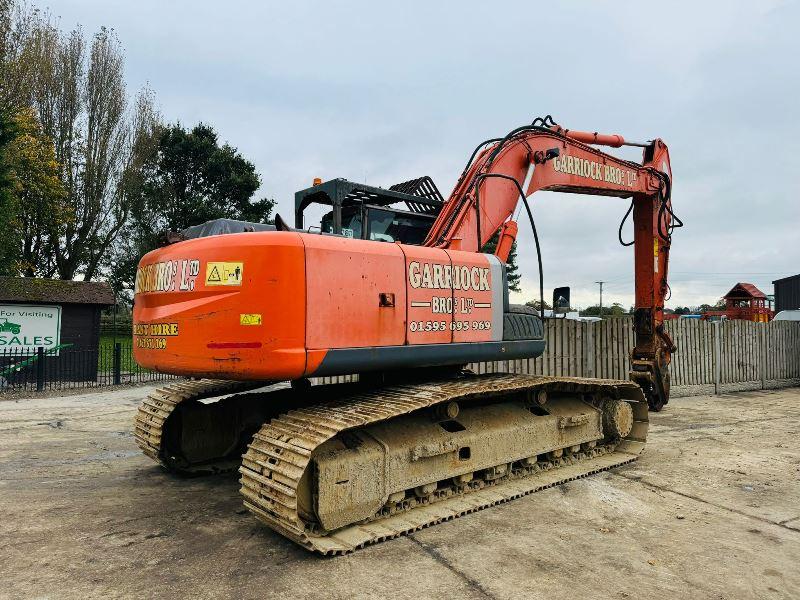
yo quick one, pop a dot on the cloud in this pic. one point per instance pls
(385, 93)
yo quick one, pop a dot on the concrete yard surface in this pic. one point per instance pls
(710, 510)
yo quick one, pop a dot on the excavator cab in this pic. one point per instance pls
(378, 223)
(402, 213)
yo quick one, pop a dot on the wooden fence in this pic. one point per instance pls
(711, 358)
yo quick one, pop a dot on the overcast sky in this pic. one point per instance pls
(386, 93)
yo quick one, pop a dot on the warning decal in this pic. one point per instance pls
(224, 273)
(250, 319)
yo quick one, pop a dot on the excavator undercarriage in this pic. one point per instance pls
(347, 466)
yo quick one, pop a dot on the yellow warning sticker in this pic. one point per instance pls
(224, 273)
(655, 247)
(250, 319)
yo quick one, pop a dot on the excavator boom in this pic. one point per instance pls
(543, 157)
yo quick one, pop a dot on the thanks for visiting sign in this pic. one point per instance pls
(24, 328)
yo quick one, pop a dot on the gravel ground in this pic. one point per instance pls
(711, 510)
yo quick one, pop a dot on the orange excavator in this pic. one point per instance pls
(404, 299)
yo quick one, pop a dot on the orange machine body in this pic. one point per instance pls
(299, 296)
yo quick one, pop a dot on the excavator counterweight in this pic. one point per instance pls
(405, 299)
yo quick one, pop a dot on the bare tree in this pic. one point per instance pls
(79, 93)
(139, 153)
(99, 198)
(15, 25)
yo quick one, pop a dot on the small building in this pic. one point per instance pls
(744, 302)
(61, 317)
(787, 293)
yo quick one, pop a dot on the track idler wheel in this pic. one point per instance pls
(617, 418)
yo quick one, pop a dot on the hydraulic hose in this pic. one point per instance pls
(621, 224)
(478, 180)
(539, 124)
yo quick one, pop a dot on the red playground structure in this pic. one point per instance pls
(744, 302)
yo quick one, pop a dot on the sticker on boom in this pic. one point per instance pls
(224, 273)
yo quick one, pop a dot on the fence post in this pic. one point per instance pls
(717, 352)
(117, 363)
(762, 354)
(588, 350)
(39, 369)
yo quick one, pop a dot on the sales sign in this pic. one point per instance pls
(24, 328)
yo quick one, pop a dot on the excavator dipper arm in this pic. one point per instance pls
(547, 157)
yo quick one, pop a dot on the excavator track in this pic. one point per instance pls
(280, 458)
(161, 404)
(172, 418)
